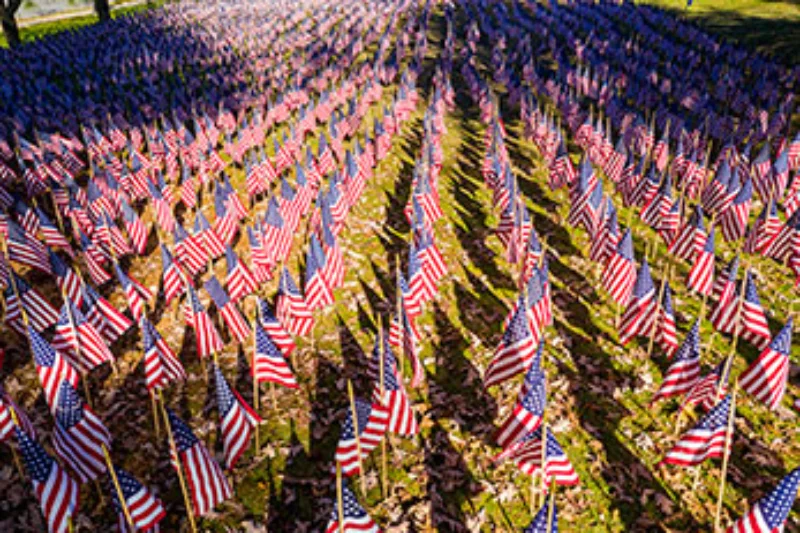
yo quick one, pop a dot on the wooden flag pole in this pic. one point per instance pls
(154, 404)
(543, 477)
(339, 502)
(382, 389)
(354, 416)
(14, 455)
(174, 449)
(120, 495)
(552, 508)
(399, 314)
(654, 327)
(256, 403)
(725, 457)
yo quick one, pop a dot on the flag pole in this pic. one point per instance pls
(725, 457)
(399, 314)
(256, 404)
(551, 510)
(179, 467)
(354, 415)
(14, 454)
(120, 495)
(382, 388)
(339, 503)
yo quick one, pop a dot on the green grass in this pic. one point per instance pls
(771, 26)
(43, 29)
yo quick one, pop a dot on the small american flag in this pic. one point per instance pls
(291, 308)
(146, 511)
(171, 276)
(79, 435)
(105, 318)
(212, 244)
(701, 275)
(161, 365)
(691, 237)
(68, 281)
(208, 339)
(527, 455)
(709, 390)
(236, 323)
(766, 378)
(51, 367)
(770, 513)
(706, 440)
(240, 281)
(755, 328)
(372, 420)
(41, 313)
(57, 492)
(25, 249)
(666, 336)
(685, 368)
(355, 518)
(619, 275)
(527, 414)
(269, 363)
(318, 292)
(208, 486)
(237, 419)
(401, 416)
(274, 329)
(79, 340)
(515, 353)
(542, 518)
(189, 251)
(137, 299)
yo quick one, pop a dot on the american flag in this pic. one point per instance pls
(68, 281)
(333, 271)
(161, 365)
(7, 425)
(240, 281)
(542, 518)
(79, 340)
(259, 257)
(706, 440)
(145, 510)
(137, 231)
(105, 318)
(189, 251)
(208, 486)
(691, 237)
(422, 285)
(372, 421)
(274, 329)
(172, 277)
(515, 352)
(79, 435)
(276, 237)
(701, 275)
(637, 318)
(619, 275)
(269, 363)
(236, 323)
(733, 220)
(41, 313)
(754, 326)
(395, 398)
(771, 512)
(685, 368)
(666, 335)
(528, 411)
(527, 455)
(709, 390)
(766, 378)
(291, 308)
(25, 249)
(237, 419)
(212, 244)
(208, 339)
(137, 298)
(318, 292)
(57, 492)
(52, 235)
(355, 518)
(403, 336)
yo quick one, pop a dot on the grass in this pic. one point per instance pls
(771, 26)
(46, 28)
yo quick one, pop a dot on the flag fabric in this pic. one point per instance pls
(317, 290)
(685, 368)
(528, 411)
(753, 326)
(79, 340)
(372, 421)
(237, 419)
(515, 352)
(161, 365)
(355, 518)
(638, 316)
(7, 425)
(134, 292)
(666, 335)
(51, 367)
(291, 308)
(145, 510)
(207, 336)
(619, 275)
(704, 441)
(766, 378)
(79, 435)
(105, 318)
(233, 318)
(207, 484)
(708, 390)
(701, 275)
(402, 420)
(57, 492)
(404, 337)
(527, 455)
(542, 518)
(240, 280)
(68, 281)
(269, 363)
(171, 277)
(772, 511)
(41, 313)
(274, 329)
